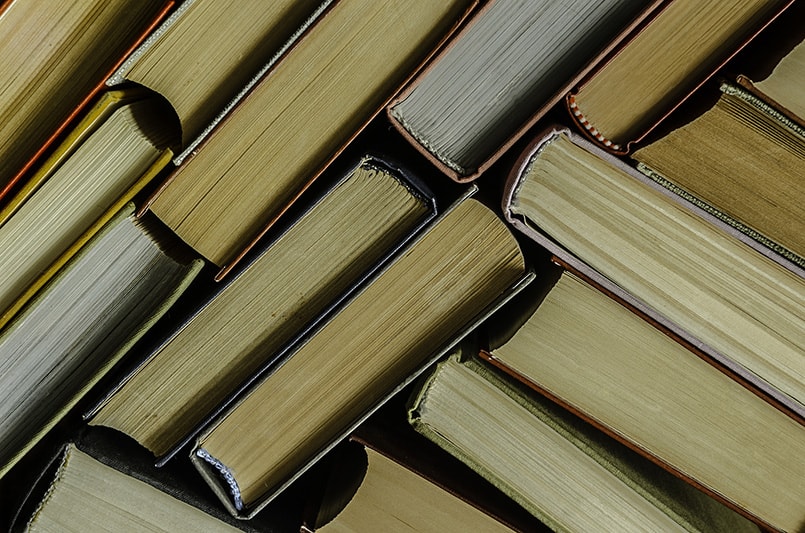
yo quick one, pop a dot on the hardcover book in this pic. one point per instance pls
(81, 324)
(684, 268)
(564, 471)
(115, 151)
(760, 193)
(207, 55)
(301, 277)
(440, 287)
(314, 100)
(387, 477)
(587, 350)
(100, 481)
(661, 64)
(54, 59)
(511, 63)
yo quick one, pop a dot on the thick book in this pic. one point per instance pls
(306, 272)
(100, 481)
(387, 477)
(661, 64)
(608, 362)
(502, 72)
(82, 322)
(207, 55)
(441, 285)
(688, 270)
(567, 473)
(117, 148)
(760, 193)
(313, 101)
(54, 59)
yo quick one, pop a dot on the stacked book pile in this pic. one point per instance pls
(359, 265)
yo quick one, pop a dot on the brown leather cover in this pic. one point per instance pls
(227, 268)
(653, 6)
(749, 85)
(576, 265)
(585, 127)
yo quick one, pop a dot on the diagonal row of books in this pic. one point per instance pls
(349, 276)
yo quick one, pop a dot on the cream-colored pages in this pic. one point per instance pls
(461, 266)
(311, 103)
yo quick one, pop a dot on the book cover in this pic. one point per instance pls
(789, 273)
(82, 323)
(404, 369)
(702, 36)
(494, 122)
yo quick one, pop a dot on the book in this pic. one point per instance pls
(441, 286)
(54, 59)
(97, 478)
(393, 498)
(387, 477)
(82, 323)
(207, 53)
(661, 64)
(314, 100)
(510, 64)
(564, 471)
(119, 146)
(647, 244)
(779, 89)
(760, 193)
(300, 277)
(609, 363)
(88, 495)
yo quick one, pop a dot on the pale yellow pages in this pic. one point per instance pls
(80, 191)
(262, 309)
(711, 285)
(763, 188)
(662, 63)
(329, 84)
(615, 367)
(52, 54)
(389, 330)
(785, 83)
(212, 51)
(393, 499)
(90, 497)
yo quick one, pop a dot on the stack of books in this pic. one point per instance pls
(349, 265)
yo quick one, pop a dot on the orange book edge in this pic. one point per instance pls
(237, 258)
(68, 122)
(486, 354)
